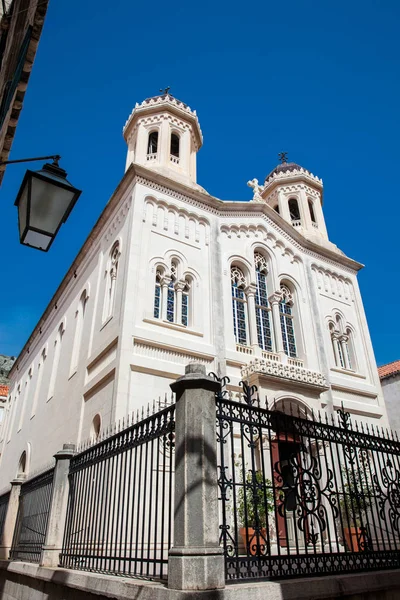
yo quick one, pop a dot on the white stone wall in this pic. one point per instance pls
(128, 358)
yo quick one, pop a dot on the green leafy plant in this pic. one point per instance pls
(355, 497)
(252, 504)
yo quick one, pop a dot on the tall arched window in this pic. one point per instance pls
(294, 210)
(264, 331)
(287, 325)
(79, 318)
(56, 361)
(171, 293)
(21, 470)
(25, 398)
(157, 295)
(276, 208)
(312, 214)
(342, 343)
(96, 426)
(186, 302)
(111, 281)
(39, 379)
(174, 145)
(238, 284)
(152, 145)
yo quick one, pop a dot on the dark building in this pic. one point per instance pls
(21, 23)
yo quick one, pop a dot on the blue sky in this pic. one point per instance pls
(319, 80)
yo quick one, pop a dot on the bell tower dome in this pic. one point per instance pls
(296, 194)
(164, 134)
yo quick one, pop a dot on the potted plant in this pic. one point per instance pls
(354, 503)
(255, 499)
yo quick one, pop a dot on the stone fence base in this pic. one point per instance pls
(21, 581)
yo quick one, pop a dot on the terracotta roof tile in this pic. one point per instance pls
(389, 369)
(3, 390)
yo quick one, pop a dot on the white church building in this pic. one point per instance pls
(169, 275)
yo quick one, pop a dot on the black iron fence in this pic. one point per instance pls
(304, 495)
(3, 510)
(33, 512)
(119, 516)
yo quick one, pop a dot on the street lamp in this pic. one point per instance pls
(44, 201)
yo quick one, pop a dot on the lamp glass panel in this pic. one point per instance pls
(22, 209)
(49, 203)
(37, 240)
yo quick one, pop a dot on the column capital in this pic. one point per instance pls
(67, 452)
(251, 289)
(180, 285)
(165, 281)
(275, 298)
(19, 480)
(195, 377)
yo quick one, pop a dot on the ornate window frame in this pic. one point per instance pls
(239, 305)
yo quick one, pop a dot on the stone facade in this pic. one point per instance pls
(21, 23)
(151, 290)
(390, 381)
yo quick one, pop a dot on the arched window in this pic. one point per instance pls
(312, 214)
(174, 145)
(342, 343)
(186, 302)
(79, 318)
(238, 284)
(96, 426)
(171, 293)
(56, 361)
(152, 145)
(264, 332)
(157, 295)
(276, 208)
(349, 350)
(294, 211)
(39, 379)
(111, 281)
(287, 325)
(22, 464)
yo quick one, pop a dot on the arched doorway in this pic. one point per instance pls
(289, 461)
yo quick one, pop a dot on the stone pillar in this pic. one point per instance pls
(196, 559)
(11, 517)
(164, 296)
(179, 287)
(58, 508)
(274, 300)
(251, 314)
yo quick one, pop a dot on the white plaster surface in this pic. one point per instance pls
(127, 358)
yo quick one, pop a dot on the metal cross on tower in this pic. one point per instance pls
(282, 157)
(166, 90)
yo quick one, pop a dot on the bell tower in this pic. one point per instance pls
(296, 194)
(164, 134)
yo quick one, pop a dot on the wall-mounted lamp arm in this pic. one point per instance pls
(55, 157)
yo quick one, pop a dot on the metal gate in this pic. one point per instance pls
(304, 495)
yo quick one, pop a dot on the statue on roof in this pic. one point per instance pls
(257, 189)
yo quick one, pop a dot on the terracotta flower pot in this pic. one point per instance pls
(355, 538)
(249, 538)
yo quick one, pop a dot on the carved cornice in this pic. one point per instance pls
(287, 372)
(160, 104)
(293, 175)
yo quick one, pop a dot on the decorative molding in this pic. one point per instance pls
(332, 283)
(259, 232)
(293, 174)
(168, 353)
(117, 220)
(161, 103)
(220, 212)
(158, 212)
(350, 394)
(289, 372)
